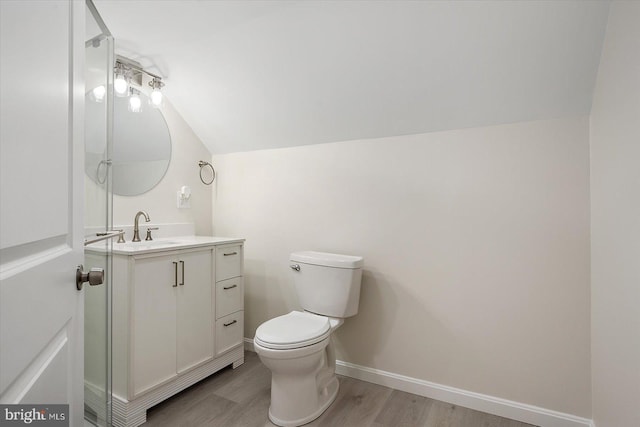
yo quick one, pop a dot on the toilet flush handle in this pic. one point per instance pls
(295, 267)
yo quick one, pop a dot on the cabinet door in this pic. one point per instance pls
(153, 322)
(195, 311)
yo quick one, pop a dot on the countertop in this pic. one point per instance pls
(163, 244)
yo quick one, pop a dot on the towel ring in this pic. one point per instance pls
(202, 164)
(106, 163)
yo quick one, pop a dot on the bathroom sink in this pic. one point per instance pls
(146, 245)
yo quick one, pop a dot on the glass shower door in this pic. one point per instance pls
(99, 51)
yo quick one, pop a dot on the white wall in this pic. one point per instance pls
(160, 202)
(615, 228)
(476, 247)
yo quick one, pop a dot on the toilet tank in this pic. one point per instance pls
(327, 284)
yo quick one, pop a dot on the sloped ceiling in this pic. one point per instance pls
(250, 75)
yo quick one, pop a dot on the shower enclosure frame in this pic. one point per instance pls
(100, 57)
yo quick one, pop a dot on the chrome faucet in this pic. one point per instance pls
(136, 230)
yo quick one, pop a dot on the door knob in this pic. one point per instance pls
(95, 277)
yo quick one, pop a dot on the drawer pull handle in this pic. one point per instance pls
(295, 267)
(230, 253)
(226, 288)
(175, 281)
(182, 265)
(230, 323)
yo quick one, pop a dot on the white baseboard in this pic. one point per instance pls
(480, 402)
(248, 345)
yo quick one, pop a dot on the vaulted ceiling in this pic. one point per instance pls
(249, 75)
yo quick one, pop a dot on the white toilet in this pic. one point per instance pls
(297, 347)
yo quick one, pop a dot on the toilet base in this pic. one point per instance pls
(303, 380)
(328, 395)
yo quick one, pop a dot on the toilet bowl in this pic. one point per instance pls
(303, 381)
(298, 347)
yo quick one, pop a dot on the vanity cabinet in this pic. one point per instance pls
(171, 318)
(178, 316)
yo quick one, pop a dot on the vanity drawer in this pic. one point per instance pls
(228, 262)
(229, 296)
(229, 332)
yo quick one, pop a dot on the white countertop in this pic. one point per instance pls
(163, 244)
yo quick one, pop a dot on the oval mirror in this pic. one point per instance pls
(141, 146)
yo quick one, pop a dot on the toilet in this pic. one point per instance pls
(297, 347)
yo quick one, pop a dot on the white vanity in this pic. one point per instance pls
(177, 318)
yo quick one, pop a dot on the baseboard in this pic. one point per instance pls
(480, 402)
(248, 345)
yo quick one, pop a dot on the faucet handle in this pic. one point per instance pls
(149, 233)
(121, 236)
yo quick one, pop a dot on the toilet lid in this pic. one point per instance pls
(293, 330)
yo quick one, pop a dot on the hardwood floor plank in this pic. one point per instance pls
(252, 412)
(403, 409)
(443, 414)
(190, 408)
(252, 378)
(487, 420)
(505, 422)
(208, 410)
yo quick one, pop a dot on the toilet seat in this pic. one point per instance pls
(294, 330)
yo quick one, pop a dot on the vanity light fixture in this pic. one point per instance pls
(129, 73)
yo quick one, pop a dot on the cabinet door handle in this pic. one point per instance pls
(182, 265)
(230, 253)
(226, 288)
(175, 280)
(230, 323)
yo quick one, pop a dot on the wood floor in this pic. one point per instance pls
(240, 398)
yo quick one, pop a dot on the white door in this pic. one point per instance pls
(41, 202)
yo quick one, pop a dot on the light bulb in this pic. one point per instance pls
(98, 93)
(135, 103)
(156, 98)
(120, 85)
